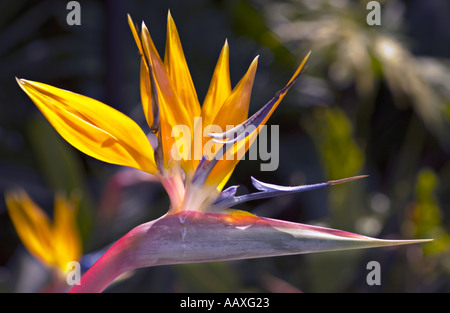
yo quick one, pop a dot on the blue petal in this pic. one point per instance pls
(227, 193)
(227, 198)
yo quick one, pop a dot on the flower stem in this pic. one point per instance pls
(114, 262)
(175, 189)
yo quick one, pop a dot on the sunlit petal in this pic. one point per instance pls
(234, 110)
(219, 88)
(146, 93)
(135, 35)
(171, 109)
(145, 82)
(93, 127)
(178, 71)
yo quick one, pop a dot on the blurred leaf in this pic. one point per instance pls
(332, 133)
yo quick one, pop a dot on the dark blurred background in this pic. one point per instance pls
(374, 100)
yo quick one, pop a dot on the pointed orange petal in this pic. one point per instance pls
(178, 71)
(135, 34)
(219, 89)
(93, 127)
(146, 93)
(172, 112)
(234, 110)
(145, 84)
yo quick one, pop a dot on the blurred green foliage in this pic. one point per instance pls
(374, 100)
(427, 214)
(340, 156)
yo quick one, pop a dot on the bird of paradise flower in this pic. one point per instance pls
(199, 225)
(56, 244)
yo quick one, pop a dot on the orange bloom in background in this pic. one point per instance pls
(55, 242)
